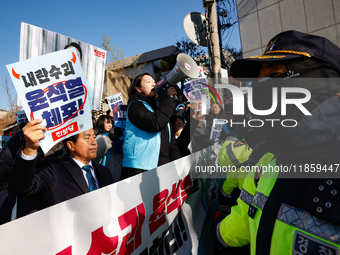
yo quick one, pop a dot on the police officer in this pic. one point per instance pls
(234, 154)
(292, 211)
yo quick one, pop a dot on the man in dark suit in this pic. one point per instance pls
(58, 180)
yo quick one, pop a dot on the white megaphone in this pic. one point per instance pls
(185, 67)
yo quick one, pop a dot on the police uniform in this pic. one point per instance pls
(234, 229)
(233, 154)
(295, 208)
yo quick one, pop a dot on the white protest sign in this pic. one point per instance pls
(21, 117)
(195, 90)
(51, 88)
(3, 141)
(116, 99)
(216, 129)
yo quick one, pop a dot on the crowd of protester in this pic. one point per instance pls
(160, 129)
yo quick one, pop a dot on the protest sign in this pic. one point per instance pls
(3, 141)
(160, 211)
(201, 73)
(21, 117)
(116, 99)
(197, 93)
(216, 129)
(51, 88)
(119, 120)
(36, 41)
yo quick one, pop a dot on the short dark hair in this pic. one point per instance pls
(73, 138)
(136, 83)
(100, 122)
(77, 46)
(174, 118)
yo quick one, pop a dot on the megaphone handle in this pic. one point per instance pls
(174, 97)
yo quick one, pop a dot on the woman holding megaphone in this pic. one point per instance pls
(149, 140)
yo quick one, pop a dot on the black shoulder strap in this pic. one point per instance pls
(268, 218)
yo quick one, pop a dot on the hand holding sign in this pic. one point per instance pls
(33, 133)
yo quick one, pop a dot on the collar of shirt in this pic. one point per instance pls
(80, 164)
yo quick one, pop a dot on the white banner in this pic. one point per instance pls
(36, 41)
(159, 211)
(51, 87)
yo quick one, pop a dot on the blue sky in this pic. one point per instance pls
(134, 26)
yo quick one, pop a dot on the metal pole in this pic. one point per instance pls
(222, 60)
(215, 41)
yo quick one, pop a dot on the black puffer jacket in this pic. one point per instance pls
(7, 156)
(155, 122)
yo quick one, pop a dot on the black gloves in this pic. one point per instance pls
(229, 200)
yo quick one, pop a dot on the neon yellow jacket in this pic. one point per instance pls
(233, 152)
(234, 229)
(295, 231)
(293, 215)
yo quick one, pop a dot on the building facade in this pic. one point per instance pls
(260, 20)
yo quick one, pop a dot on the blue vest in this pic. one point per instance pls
(141, 148)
